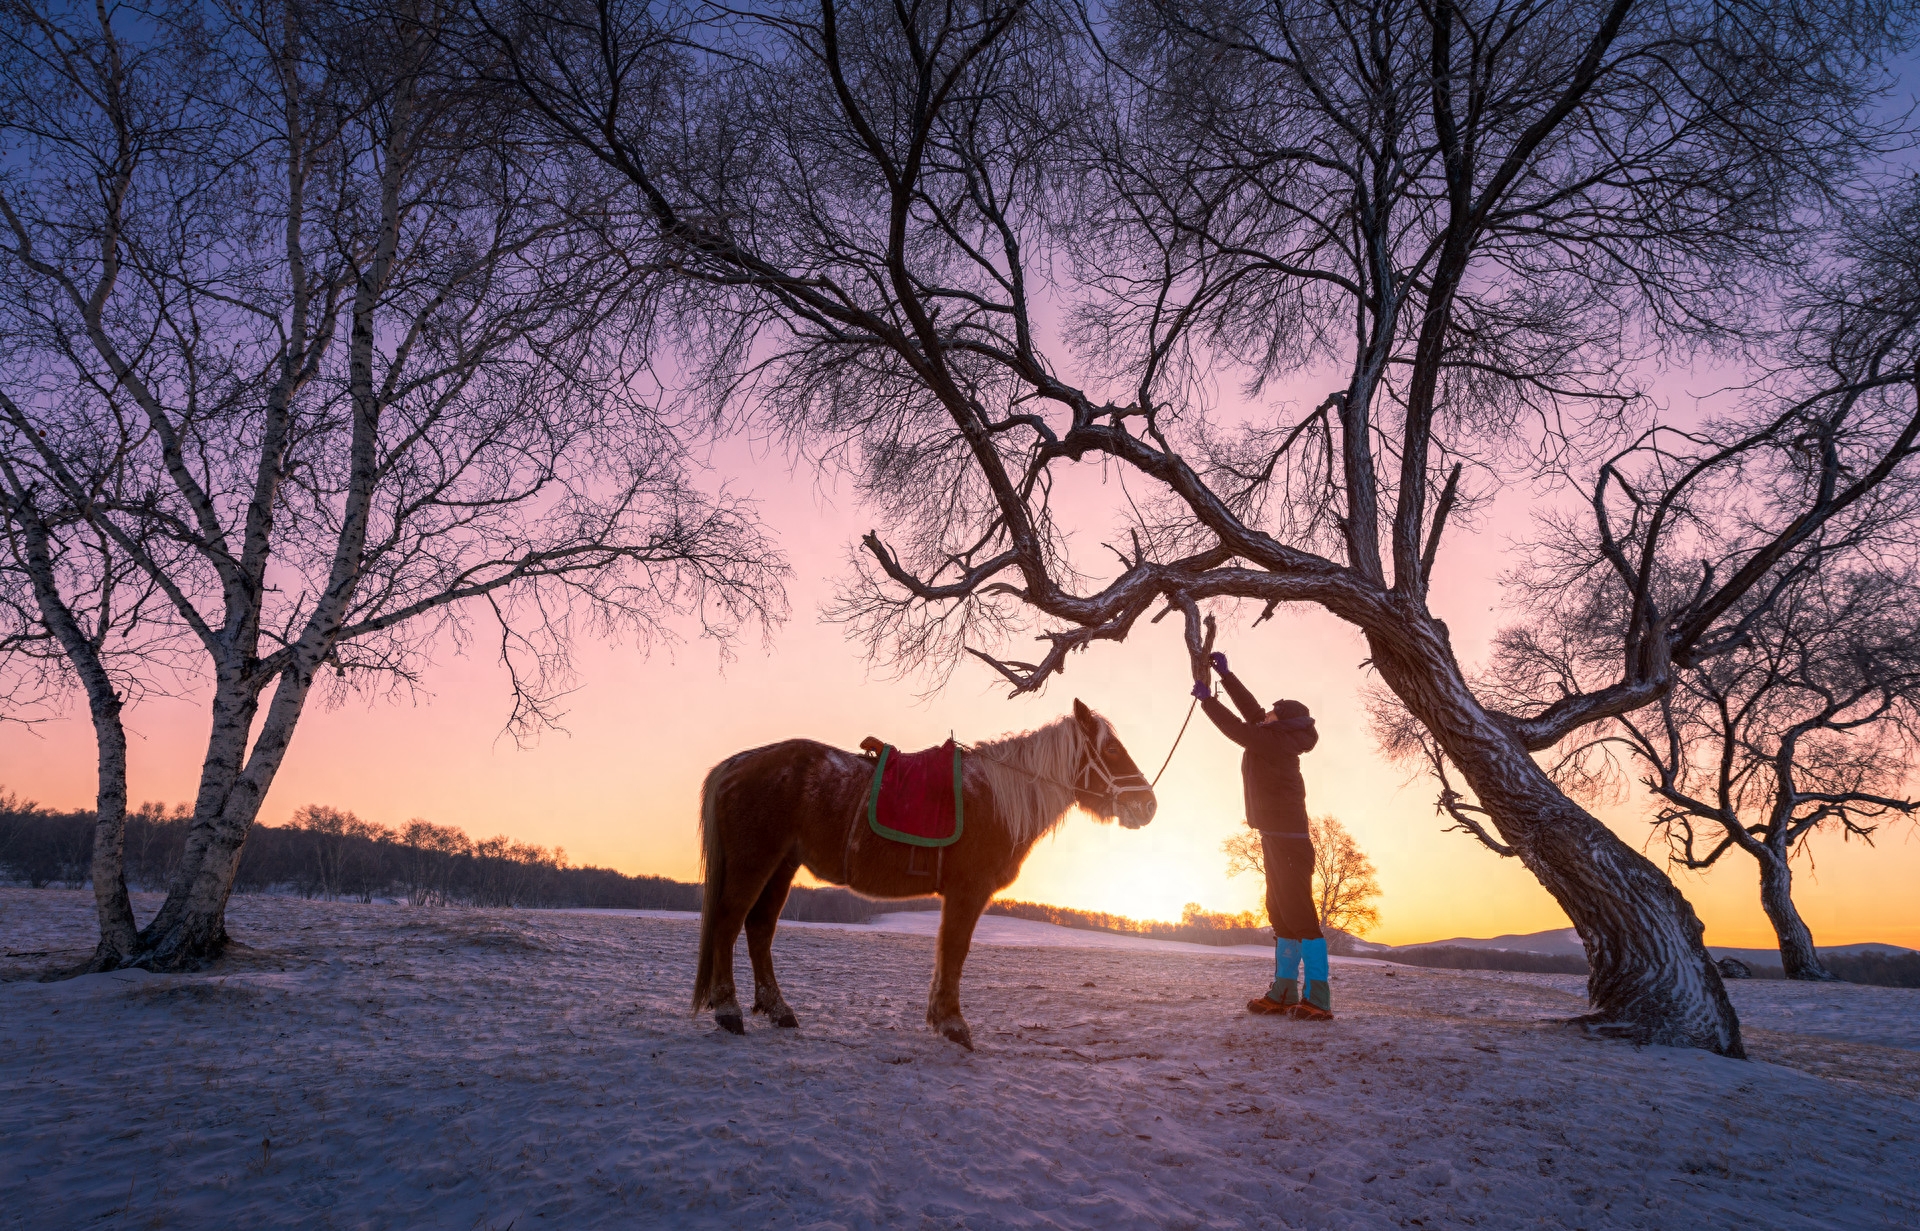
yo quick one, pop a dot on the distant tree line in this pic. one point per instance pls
(329, 853)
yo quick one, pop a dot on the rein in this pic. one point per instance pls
(1176, 744)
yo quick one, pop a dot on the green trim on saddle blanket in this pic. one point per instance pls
(873, 806)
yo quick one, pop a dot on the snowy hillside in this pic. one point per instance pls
(1566, 942)
(370, 1066)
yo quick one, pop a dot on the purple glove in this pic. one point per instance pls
(1201, 691)
(1220, 663)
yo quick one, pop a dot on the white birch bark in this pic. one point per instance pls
(113, 907)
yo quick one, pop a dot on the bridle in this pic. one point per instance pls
(1116, 785)
(1094, 779)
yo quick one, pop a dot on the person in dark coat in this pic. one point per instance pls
(1277, 808)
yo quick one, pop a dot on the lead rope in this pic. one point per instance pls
(1176, 745)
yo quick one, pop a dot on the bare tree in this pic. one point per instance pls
(1345, 881)
(80, 611)
(1807, 725)
(374, 371)
(333, 838)
(83, 612)
(1473, 222)
(431, 850)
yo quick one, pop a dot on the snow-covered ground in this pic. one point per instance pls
(378, 1066)
(995, 930)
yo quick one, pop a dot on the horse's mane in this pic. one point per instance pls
(1032, 773)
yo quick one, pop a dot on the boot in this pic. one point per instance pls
(1284, 994)
(1317, 1004)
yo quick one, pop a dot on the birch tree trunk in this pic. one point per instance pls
(118, 932)
(190, 929)
(1798, 958)
(108, 868)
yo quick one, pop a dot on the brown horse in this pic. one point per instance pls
(768, 812)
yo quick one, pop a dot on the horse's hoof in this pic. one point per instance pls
(786, 1020)
(732, 1023)
(959, 1034)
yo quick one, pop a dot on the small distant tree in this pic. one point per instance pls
(1345, 881)
(332, 836)
(431, 852)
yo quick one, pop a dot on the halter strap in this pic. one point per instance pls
(1116, 785)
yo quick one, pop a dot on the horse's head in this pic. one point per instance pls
(1111, 786)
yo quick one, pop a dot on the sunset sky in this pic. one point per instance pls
(619, 788)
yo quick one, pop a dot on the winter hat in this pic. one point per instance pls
(1284, 710)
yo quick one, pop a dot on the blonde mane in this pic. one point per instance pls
(1032, 774)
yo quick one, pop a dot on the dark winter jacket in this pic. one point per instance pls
(1270, 767)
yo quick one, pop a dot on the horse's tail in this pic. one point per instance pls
(713, 870)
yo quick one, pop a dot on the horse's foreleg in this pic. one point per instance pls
(761, 922)
(959, 912)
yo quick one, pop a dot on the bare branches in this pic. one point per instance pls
(1807, 724)
(1452, 803)
(359, 358)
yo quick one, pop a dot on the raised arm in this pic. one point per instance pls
(1231, 727)
(1250, 709)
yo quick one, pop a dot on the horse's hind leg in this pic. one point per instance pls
(959, 912)
(746, 879)
(761, 922)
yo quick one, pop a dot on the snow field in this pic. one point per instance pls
(378, 1066)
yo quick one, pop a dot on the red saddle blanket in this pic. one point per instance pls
(915, 796)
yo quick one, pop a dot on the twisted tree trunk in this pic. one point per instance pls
(1798, 958)
(1651, 978)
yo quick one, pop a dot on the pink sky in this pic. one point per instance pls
(619, 789)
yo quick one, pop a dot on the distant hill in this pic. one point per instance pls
(1560, 941)
(1771, 957)
(1559, 951)
(1566, 942)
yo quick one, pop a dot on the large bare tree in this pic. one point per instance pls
(972, 246)
(371, 363)
(1797, 714)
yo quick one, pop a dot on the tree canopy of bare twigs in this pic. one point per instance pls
(962, 249)
(302, 332)
(1807, 725)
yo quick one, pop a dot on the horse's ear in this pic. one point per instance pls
(1084, 716)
